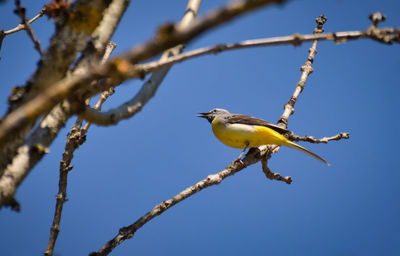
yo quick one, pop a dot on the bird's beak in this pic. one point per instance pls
(203, 115)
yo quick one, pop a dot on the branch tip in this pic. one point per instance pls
(376, 18)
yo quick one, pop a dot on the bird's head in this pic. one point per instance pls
(216, 112)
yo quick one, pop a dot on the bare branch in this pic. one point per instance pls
(70, 38)
(311, 139)
(20, 11)
(273, 176)
(253, 156)
(295, 40)
(22, 26)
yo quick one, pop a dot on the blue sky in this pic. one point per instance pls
(121, 172)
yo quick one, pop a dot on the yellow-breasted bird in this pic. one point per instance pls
(241, 131)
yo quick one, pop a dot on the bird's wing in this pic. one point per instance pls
(243, 119)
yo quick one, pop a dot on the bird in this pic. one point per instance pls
(241, 131)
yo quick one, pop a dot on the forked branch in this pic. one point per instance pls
(253, 156)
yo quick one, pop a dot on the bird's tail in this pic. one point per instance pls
(304, 150)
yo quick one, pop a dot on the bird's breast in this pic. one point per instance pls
(233, 135)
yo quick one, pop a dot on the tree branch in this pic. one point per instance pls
(22, 26)
(70, 38)
(19, 27)
(306, 70)
(30, 152)
(311, 139)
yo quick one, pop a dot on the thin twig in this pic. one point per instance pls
(311, 139)
(20, 10)
(75, 138)
(22, 26)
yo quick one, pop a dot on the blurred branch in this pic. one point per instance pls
(149, 88)
(253, 156)
(30, 152)
(167, 37)
(26, 155)
(75, 138)
(70, 38)
(20, 11)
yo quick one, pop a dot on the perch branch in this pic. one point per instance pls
(253, 156)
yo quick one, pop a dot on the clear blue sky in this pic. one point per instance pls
(121, 172)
